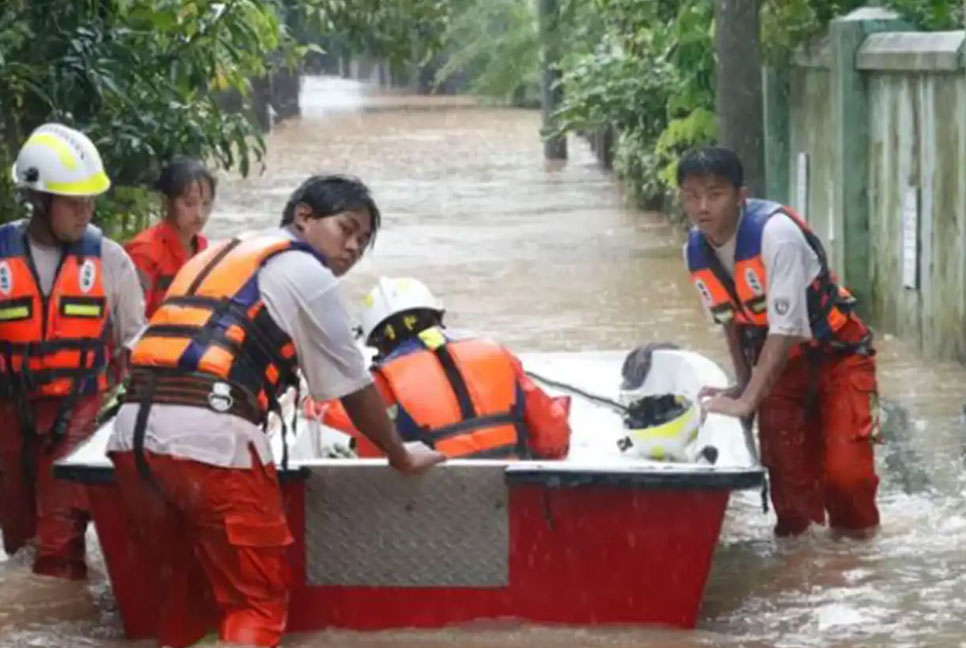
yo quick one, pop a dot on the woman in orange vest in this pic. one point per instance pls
(464, 396)
(188, 190)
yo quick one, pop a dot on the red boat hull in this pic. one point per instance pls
(594, 553)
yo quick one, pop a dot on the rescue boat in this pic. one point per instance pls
(597, 538)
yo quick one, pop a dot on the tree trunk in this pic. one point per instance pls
(548, 13)
(286, 83)
(738, 101)
(261, 101)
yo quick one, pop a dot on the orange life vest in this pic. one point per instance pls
(53, 345)
(158, 253)
(459, 397)
(742, 299)
(212, 342)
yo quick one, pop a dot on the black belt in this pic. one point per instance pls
(195, 390)
(150, 386)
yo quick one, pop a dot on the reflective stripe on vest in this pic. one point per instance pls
(742, 299)
(213, 322)
(463, 395)
(49, 342)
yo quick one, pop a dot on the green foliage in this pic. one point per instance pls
(139, 76)
(125, 211)
(493, 46)
(787, 23)
(146, 79)
(650, 75)
(610, 87)
(646, 68)
(931, 15)
(399, 31)
(681, 134)
(638, 166)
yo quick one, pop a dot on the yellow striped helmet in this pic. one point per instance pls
(59, 160)
(668, 441)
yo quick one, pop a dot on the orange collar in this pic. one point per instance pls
(172, 241)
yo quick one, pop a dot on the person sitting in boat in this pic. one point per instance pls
(462, 395)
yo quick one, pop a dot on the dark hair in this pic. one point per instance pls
(180, 174)
(712, 161)
(328, 195)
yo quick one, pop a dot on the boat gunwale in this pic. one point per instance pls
(643, 477)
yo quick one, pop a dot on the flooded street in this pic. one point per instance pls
(546, 257)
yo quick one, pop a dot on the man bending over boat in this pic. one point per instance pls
(803, 358)
(194, 469)
(464, 396)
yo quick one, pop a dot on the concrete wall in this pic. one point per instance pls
(810, 132)
(917, 141)
(896, 110)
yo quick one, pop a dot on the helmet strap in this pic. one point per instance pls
(403, 326)
(40, 218)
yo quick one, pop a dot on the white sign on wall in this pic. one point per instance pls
(910, 238)
(801, 185)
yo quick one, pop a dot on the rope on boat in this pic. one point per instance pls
(579, 392)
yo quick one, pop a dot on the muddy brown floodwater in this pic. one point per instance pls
(546, 257)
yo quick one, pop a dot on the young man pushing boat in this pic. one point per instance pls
(194, 468)
(803, 359)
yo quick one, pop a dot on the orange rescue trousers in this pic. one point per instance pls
(820, 458)
(32, 502)
(216, 539)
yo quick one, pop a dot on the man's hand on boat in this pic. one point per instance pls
(723, 400)
(367, 411)
(415, 458)
(710, 392)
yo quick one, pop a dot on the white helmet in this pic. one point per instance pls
(668, 441)
(395, 295)
(59, 160)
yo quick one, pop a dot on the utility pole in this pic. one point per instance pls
(738, 99)
(548, 17)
